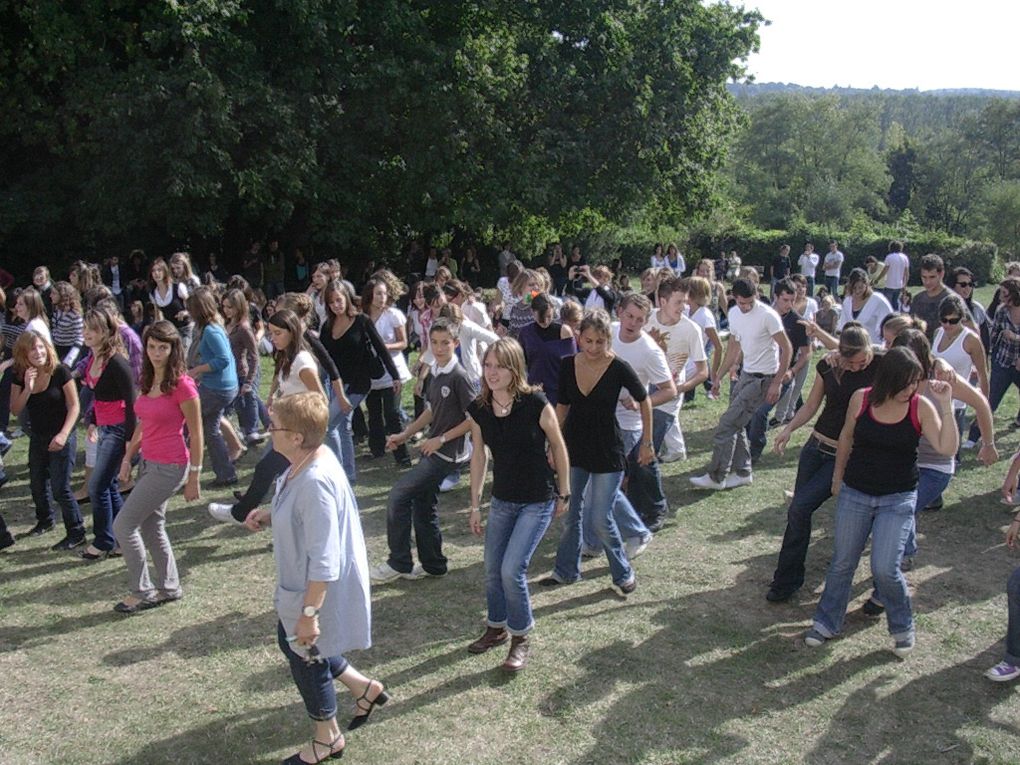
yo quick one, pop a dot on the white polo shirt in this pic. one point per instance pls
(754, 331)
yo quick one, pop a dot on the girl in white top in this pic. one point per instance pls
(959, 346)
(296, 370)
(29, 307)
(675, 260)
(658, 259)
(699, 297)
(864, 305)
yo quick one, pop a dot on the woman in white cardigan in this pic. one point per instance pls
(863, 305)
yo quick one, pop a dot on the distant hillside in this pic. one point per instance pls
(749, 90)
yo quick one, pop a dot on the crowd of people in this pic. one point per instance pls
(564, 378)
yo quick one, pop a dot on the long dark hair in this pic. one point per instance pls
(162, 331)
(289, 321)
(917, 341)
(900, 369)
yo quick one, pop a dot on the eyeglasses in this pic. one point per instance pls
(951, 319)
(275, 429)
(965, 284)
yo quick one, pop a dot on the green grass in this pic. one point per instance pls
(694, 667)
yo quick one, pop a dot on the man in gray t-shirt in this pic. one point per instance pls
(925, 305)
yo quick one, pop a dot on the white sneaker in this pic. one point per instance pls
(384, 574)
(668, 455)
(450, 482)
(968, 444)
(419, 572)
(220, 511)
(733, 480)
(706, 482)
(636, 545)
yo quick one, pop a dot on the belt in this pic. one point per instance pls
(823, 447)
(759, 375)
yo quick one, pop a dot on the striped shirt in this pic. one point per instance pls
(67, 331)
(1005, 352)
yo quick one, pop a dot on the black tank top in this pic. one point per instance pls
(884, 457)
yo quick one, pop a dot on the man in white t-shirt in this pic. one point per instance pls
(808, 261)
(896, 272)
(756, 331)
(831, 266)
(684, 344)
(644, 482)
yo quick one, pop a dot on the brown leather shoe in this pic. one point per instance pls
(493, 637)
(518, 656)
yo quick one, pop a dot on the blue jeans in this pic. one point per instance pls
(511, 536)
(757, 428)
(50, 479)
(892, 294)
(414, 503)
(314, 679)
(628, 522)
(213, 403)
(887, 519)
(104, 485)
(832, 285)
(1013, 627)
(644, 482)
(597, 512)
(813, 486)
(998, 384)
(340, 424)
(247, 408)
(930, 485)
(810, 285)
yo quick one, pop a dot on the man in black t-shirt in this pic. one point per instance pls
(780, 267)
(785, 291)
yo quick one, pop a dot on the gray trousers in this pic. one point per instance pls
(786, 407)
(730, 448)
(141, 524)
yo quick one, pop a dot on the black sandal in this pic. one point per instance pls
(358, 720)
(295, 759)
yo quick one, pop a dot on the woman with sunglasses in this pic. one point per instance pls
(961, 348)
(1005, 350)
(962, 282)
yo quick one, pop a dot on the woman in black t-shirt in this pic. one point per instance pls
(46, 388)
(590, 386)
(516, 422)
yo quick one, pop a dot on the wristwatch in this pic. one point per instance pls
(310, 611)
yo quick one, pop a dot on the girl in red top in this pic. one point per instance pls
(168, 401)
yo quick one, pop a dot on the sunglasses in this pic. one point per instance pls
(965, 284)
(951, 319)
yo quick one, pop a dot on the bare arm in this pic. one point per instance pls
(846, 440)
(311, 381)
(972, 345)
(732, 354)
(785, 354)
(479, 464)
(193, 417)
(939, 427)
(803, 415)
(558, 449)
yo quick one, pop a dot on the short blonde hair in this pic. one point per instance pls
(699, 290)
(306, 414)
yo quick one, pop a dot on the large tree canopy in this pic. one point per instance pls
(352, 124)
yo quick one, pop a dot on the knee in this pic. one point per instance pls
(512, 573)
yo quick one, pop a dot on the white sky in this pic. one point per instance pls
(925, 44)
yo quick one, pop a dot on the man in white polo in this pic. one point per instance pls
(756, 331)
(896, 272)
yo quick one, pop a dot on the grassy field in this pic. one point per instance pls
(695, 667)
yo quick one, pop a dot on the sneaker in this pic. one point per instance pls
(907, 563)
(220, 511)
(787, 496)
(872, 608)
(668, 455)
(39, 529)
(419, 572)
(590, 552)
(902, 648)
(707, 482)
(254, 439)
(734, 480)
(1003, 672)
(69, 543)
(774, 423)
(636, 545)
(814, 638)
(384, 574)
(968, 444)
(450, 482)
(626, 588)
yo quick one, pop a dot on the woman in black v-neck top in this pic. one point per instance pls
(596, 453)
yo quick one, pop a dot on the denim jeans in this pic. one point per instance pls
(1013, 626)
(887, 519)
(598, 512)
(832, 285)
(810, 285)
(104, 485)
(314, 679)
(213, 403)
(340, 424)
(414, 503)
(511, 536)
(50, 479)
(644, 482)
(813, 486)
(930, 485)
(628, 522)
(384, 419)
(247, 408)
(892, 294)
(758, 427)
(998, 384)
